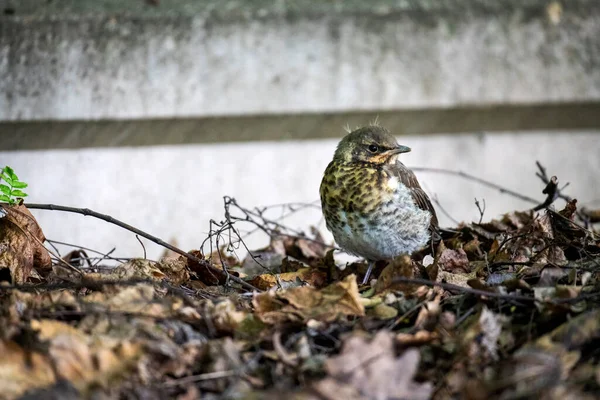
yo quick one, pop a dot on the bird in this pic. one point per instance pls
(372, 203)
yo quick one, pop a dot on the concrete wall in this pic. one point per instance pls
(173, 191)
(77, 59)
(78, 73)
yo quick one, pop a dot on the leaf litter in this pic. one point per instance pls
(506, 309)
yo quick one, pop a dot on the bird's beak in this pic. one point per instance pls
(398, 150)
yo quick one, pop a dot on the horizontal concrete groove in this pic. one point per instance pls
(113, 59)
(243, 9)
(107, 133)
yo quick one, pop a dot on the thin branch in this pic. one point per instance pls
(478, 180)
(200, 377)
(481, 210)
(551, 191)
(452, 287)
(104, 255)
(109, 219)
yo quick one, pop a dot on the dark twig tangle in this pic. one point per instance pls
(108, 218)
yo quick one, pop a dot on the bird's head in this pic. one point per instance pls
(370, 144)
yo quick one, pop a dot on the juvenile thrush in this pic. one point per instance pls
(372, 203)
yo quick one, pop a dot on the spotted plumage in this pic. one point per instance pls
(372, 203)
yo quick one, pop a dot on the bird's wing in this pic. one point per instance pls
(408, 179)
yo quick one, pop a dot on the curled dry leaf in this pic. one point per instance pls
(225, 317)
(138, 268)
(454, 261)
(310, 276)
(539, 368)
(22, 370)
(429, 314)
(304, 249)
(399, 267)
(372, 371)
(21, 248)
(416, 339)
(85, 361)
(175, 270)
(261, 262)
(304, 303)
(483, 338)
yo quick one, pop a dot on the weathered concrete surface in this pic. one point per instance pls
(124, 73)
(23, 135)
(110, 59)
(173, 191)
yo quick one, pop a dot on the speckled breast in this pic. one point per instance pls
(370, 213)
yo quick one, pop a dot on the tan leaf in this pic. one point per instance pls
(21, 248)
(454, 261)
(312, 276)
(22, 370)
(304, 303)
(399, 267)
(373, 371)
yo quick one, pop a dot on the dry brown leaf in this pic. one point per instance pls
(418, 338)
(22, 370)
(306, 249)
(262, 261)
(225, 317)
(21, 248)
(399, 267)
(372, 370)
(311, 276)
(429, 314)
(138, 268)
(482, 339)
(83, 360)
(86, 362)
(304, 303)
(175, 269)
(454, 261)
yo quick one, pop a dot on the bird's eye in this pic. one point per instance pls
(373, 148)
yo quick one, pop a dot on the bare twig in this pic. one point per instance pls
(200, 377)
(104, 255)
(108, 218)
(551, 191)
(478, 180)
(452, 287)
(141, 244)
(481, 211)
(443, 210)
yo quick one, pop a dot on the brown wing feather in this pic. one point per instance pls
(408, 178)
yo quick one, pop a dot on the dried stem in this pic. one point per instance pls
(108, 218)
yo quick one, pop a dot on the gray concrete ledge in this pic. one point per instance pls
(236, 10)
(80, 134)
(82, 60)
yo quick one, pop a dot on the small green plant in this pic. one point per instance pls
(12, 190)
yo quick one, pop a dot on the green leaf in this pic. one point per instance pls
(5, 189)
(9, 171)
(7, 179)
(4, 197)
(19, 185)
(18, 193)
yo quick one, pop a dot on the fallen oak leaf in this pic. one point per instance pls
(303, 303)
(22, 370)
(311, 276)
(373, 371)
(21, 249)
(454, 261)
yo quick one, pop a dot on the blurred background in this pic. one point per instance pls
(152, 110)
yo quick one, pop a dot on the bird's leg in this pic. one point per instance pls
(368, 273)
